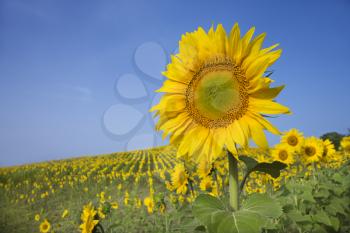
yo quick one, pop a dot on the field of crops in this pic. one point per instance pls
(152, 191)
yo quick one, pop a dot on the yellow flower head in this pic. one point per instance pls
(283, 153)
(312, 150)
(345, 144)
(88, 219)
(216, 93)
(37, 217)
(179, 178)
(45, 226)
(328, 150)
(293, 138)
(149, 203)
(114, 205)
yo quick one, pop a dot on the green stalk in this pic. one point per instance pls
(233, 181)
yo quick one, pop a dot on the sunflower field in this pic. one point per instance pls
(152, 191)
(217, 175)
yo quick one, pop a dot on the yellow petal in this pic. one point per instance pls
(267, 93)
(267, 125)
(265, 106)
(258, 135)
(173, 87)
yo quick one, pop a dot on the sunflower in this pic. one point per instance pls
(293, 138)
(283, 153)
(345, 144)
(312, 150)
(328, 150)
(217, 94)
(45, 226)
(179, 179)
(37, 217)
(114, 205)
(149, 203)
(88, 219)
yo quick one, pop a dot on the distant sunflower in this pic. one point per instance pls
(45, 226)
(345, 144)
(114, 205)
(283, 153)
(37, 217)
(294, 139)
(328, 150)
(179, 179)
(149, 203)
(312, 150)
(216, 93)
(88, 219)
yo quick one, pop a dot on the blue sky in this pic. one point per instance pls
(69, 68)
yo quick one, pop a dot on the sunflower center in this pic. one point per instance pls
(310, 151)
(283, 155)
(292, 140)
(217, 94)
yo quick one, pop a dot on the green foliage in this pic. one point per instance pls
(255, 213)
(320, 203)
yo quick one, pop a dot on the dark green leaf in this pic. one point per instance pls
(249, 162)
(273, 169)
(322, 217)
(297, 217)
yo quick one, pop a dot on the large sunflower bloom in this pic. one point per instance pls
(312, 150)
(216, 94)
(294, 139)
(283, 153)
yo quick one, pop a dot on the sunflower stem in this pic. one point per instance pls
(233, 181)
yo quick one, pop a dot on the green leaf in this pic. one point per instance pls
(240, 222)
(251, 218)
(249, 162)
(297, 217)
(322, 193)
(263, 205)
(272, 169)
(322, 217)
(335, 207)
(206, 206)
(317, 228)
(307, 196)
(335, 222)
